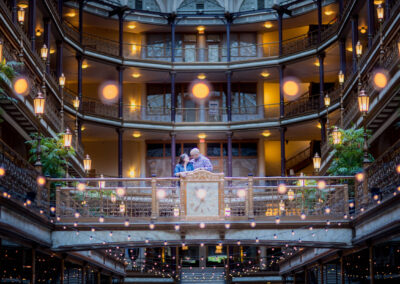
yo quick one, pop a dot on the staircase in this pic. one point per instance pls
(206, 275)
(302, 159)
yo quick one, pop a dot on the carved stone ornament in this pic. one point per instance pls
(203, 175)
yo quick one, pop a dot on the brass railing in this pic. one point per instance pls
(262, 198)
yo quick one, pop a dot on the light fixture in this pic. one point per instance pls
(265, 74)
(336, 136)
(176, 211)
(277, 220)
(21, 86)
(378, 2)
(327, 100)
(316, 63)
(380, 12)
(241, 193)
(136, 75)
(70, 14)
(398, 47)
(200, 90)
(202, 136)
(201, 76)
(291, 88)
(380, 79)
(81, 187)
(317, 162)
(328, 12)
(126, 223)
(201, 29)
(358, 49)
(102, 184)
(101, 219)
(268, 25)
(341, 77)
(177, 227)
(152, 226)
(131, 26)
(363, 30)
(21, 16)
(132, 173)
(202, 225)
(321, 184)
(120, 191)
(61, 80)
(360, 177)
(23, 4)
(349, 49)
(227, 211)
(76, 103)
(290, 194)
(282, 188)
(266, 133)
(39, 103)
(52, 50)
(44, 52)
(38, 32)
(303, 215)
(84, 64)
(67, 136)
(41, 180)
(363, 102)
(161, 194)
(136, 134)
(87, 163)
(2, 171)
(227, 226)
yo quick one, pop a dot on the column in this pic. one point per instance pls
(59, 60)
(260, 45)
(81, 2)
(98, 277)
(120, 70)
(229, 95)
(120, 133)
(261, 157)
(46, 37)
(281, 94)
(80, 60)
(142, 148)
(321, 274)
(229, 144)
(371, 21)
(14, 11)
(60, 9)
(354, 39)
(201, 41)
(32, 23)
(371, 265)
(173, 152)
(229, 20)
(341, 8)
(121, 33)
(84, 271)
(33, 276)
(62, 268)
(283, 154)
(80, 123)
(319, 11)
(171, 20)
(387, 8)
(305, 275)
(321, 57)
(342, 54)
(322, 121)
(173, 96)
(202, 146)
(280, 22)
(342, 279)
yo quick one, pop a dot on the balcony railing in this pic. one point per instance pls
(19, 181)
(214, 52)
(160, 198)
(132, 112)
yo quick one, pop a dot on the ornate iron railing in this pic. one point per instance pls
(261, 198)
(19, 180)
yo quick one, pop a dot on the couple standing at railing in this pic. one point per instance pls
(197, 162)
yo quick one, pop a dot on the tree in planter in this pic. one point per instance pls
(53, 154)
(348, 155)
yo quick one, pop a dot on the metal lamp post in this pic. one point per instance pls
(359, 53)
(21, 21)
(67, 137)
(381, 16)
(327, 103)
(363, 105)
(39, 104)
(76, 103)
(316, 163)
(341, 82)
(61, 82)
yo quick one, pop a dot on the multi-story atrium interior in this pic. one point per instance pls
(287, 111)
